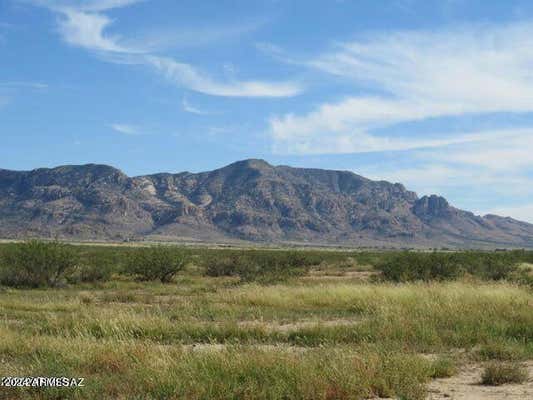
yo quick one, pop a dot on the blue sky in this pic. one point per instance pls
(437, 95)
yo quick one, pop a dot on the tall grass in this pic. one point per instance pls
(225, 337)
(126, 370)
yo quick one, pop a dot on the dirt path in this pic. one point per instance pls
(465, 386)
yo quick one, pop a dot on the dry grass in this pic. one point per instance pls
(206, 338)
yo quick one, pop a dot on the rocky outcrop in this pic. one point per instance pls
(246, 200)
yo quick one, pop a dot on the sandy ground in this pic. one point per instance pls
(465, 386)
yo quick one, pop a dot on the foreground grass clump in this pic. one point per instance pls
(500, 373)
(443, 367)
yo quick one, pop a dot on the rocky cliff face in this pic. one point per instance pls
(248, 200)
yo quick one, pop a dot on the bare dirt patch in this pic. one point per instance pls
(466, 386)
(302, 324)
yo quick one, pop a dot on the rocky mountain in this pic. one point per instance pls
(248, 200)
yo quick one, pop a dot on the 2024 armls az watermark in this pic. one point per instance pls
(41, 381)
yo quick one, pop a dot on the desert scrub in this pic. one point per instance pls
(208, 338)
(413, 266)
(500, 373)
(443, 367)
(261, 266)
(504, 350)
(156, 263)
(94, 267)
(36, 264)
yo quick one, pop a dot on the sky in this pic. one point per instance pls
(435, 94)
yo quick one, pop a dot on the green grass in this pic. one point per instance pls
(498, 373)
(330, 334)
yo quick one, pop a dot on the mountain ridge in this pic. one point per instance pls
(248, 200)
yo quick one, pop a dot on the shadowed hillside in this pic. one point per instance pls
(247, 200)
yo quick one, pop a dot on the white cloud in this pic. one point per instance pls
(125, 129)
(421, 74)
(160, 38)
(504, 152)
(87, 30)
(83, 24)
(480, 68)
(435, 177)
(185, 75)
(187, 107)
(343, 127)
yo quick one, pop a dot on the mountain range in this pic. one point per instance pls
(250, 201)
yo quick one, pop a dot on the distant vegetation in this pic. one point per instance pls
(39, 264)
(411, 266)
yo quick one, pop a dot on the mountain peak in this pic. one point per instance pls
(249, 200)
(253, 163)
(99, 170)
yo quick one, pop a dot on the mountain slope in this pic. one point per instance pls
(248, 200)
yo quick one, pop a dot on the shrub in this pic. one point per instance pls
(36, 264)
(263, 266)
(222, 264)
(408, 266)
(412, 266)
(156, 263)
(94, 267)
(498, 373)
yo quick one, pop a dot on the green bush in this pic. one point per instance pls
(94, 267)
(418, 266)
(259, 265)
(36, 264)
(156, 263)
(499, 373)
(408, 266)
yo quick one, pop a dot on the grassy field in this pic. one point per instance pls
(333, 330)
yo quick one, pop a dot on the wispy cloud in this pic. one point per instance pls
(126, 129)
(187, 107)
(86, 30)
(479, 173)
(157, 39)
(428, 176)
(420, 75)
(84, 24)
(185, 75)
(503, 152)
